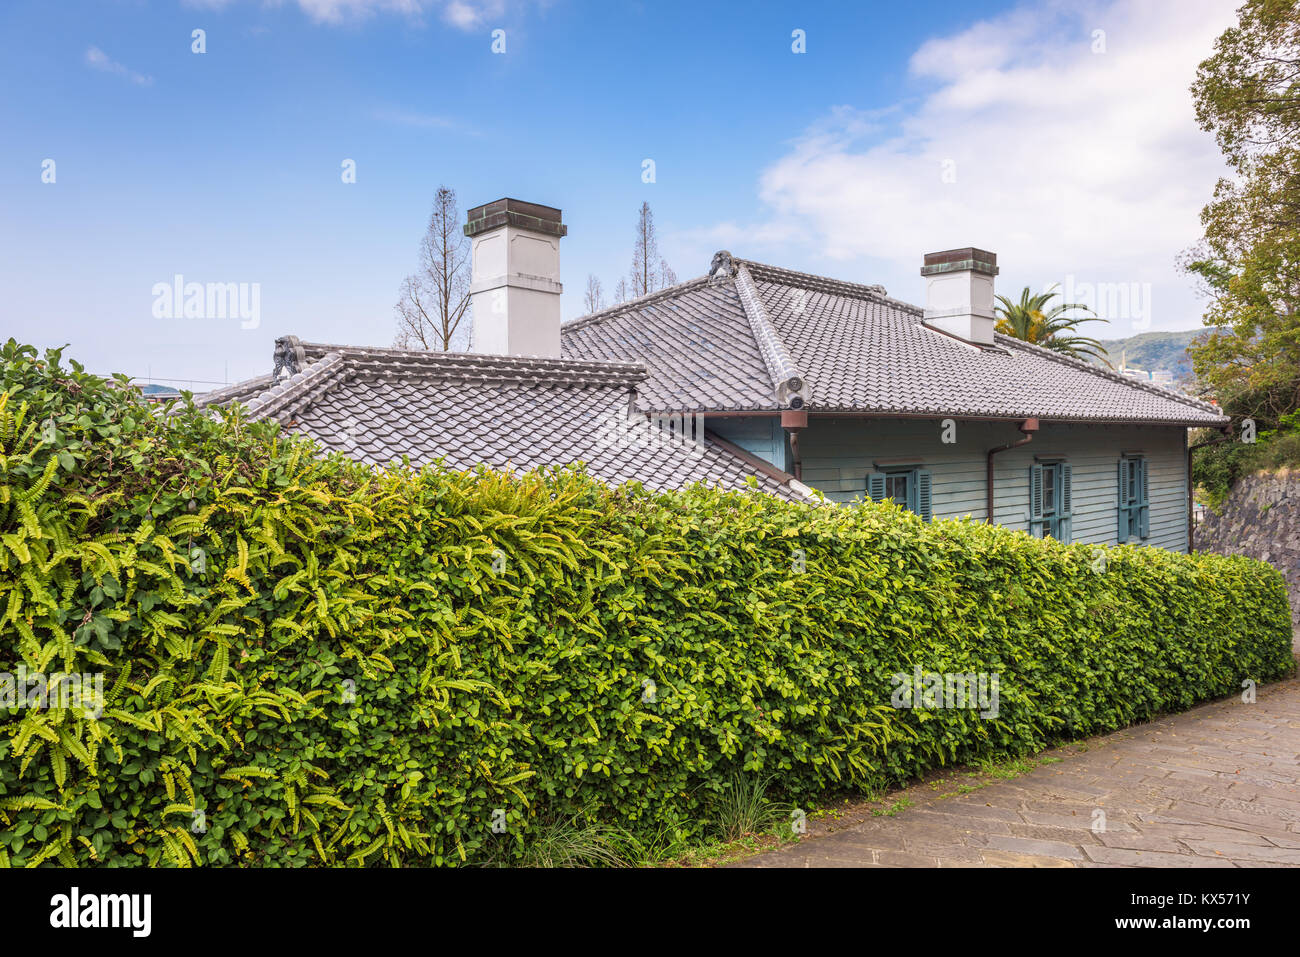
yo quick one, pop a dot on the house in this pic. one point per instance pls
(152, 392)
(799, 382)
(510, 413)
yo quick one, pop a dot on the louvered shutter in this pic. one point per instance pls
(1036, 500)
(876, 486)
(1064, 508)
(1145, 502)
(923, 497)
(1123, 510)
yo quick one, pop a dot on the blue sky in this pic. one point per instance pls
(904, 128)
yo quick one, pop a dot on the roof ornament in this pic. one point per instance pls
(289, 357)
(722, 267)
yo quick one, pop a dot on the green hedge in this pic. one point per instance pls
(341, 666)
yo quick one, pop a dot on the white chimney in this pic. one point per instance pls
(959, 293)
(515, 278)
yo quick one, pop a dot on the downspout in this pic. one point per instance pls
(1224, 435)
(1029, 427)
(792, 420)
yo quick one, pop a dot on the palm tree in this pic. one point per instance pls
(1030, 320)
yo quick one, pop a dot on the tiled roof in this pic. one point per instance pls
(695, 341)
(747, 337)
(706, 347)
(239, 392)
(791, 386)
(508, 413)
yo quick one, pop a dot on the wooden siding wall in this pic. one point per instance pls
(759, 435)
(838, 452)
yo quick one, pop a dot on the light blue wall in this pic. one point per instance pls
(839, 452)
(760, 435)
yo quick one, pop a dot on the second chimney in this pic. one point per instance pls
(959, 293)
(515, 278)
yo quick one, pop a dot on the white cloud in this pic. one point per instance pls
(100, 60)
(337, 11)
(470, 14)
(464, 14)
(1067, 162)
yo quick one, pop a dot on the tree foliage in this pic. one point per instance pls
(1248, 95)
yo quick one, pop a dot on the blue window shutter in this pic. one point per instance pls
(1064, 509)
(1146, 504)
(923, 497)
(1123, 510)
(1035, 500)
(876, 486)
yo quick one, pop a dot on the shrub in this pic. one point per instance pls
(309, 662)
(1216, 468)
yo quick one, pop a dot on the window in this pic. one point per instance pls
(1134, 508)
(896, 487)
(908, 487)
(1049, 500)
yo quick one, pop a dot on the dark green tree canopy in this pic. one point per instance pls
(1248, 95)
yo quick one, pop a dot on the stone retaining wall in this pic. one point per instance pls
(1260, 518)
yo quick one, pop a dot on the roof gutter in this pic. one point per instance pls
(1028, 427)
(959, 416)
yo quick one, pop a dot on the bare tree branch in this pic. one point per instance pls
(434, 299)
(593, 300)
(644, 254)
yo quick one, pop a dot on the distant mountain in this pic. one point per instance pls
(1156, 350)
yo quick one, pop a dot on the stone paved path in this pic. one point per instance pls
(1216, 786)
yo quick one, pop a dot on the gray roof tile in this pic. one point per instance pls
(695, 341)
(857, 350)
(749, 338)
(508, 413)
